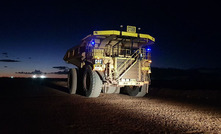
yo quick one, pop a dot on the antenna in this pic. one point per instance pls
(121, 29)
(138, 28)
(138, 31)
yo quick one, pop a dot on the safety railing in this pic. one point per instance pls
(129, 61)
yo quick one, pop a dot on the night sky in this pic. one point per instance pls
(34, 35)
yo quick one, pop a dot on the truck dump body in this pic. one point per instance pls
(119, 58)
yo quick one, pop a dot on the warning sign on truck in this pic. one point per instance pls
(131, 29)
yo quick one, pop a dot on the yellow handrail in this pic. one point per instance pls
(122, 65)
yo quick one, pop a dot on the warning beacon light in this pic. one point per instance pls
(148, 49)
(92, 42)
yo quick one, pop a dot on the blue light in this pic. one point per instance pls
(148, 49)
(92, 42)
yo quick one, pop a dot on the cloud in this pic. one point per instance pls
(5, 53)
(9, 60)
(63, 70)
(5, 66)
(40, 72)
(34, 72)
(61, 67)
(60, 72)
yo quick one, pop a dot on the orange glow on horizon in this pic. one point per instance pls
(30, 75)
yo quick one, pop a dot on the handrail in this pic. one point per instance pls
(122, 74)
(122, 65)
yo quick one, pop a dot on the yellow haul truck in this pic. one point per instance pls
(111, 62)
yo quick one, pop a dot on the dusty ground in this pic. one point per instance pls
(36, 106)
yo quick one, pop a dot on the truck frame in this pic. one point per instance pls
(111, 61)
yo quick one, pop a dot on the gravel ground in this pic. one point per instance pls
(29, 106)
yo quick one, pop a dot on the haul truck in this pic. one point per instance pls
(111, 61)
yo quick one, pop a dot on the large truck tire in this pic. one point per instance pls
(72, 81)
(136, 91)
(92, 83)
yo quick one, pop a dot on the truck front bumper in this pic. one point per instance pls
(132, 83)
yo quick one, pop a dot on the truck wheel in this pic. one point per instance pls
(72, 81)
(136, 91)
(92, 83)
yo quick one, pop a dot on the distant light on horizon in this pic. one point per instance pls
(34, 76)
(37, 76)
(42, 76)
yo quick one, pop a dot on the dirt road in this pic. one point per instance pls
(33, 106)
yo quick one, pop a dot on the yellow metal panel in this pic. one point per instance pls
(145, 68)
(129, 34)
(107, 32)
(147, 36)
(115, 32)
